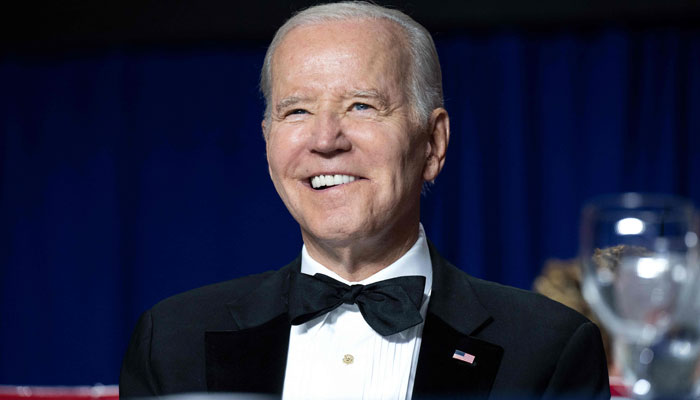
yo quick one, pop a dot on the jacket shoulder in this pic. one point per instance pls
(166, 351)
(517, 304)
(563, 347)
(207, 296)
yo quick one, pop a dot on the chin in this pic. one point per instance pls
(338, 232)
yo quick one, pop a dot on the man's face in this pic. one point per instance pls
(340, 109)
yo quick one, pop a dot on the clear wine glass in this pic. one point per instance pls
(640, 276)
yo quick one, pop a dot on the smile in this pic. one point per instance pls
(326, 181)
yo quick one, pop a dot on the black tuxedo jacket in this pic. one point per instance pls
(233, 337)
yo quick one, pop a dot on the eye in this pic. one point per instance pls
(361, 107)
(297, 111)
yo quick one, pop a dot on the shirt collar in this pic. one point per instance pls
(416, 261)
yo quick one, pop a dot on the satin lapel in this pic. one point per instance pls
(454, 316)
(250, 361)
(440, 374)
(253, 357)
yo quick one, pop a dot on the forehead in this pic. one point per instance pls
(348, 49)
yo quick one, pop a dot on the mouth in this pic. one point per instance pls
(322, 182)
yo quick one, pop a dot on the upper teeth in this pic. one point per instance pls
(330, 180)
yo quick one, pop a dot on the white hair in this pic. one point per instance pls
(425, 77)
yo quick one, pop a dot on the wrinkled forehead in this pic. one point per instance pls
(374, 38)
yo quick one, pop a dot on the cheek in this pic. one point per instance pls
(273, 160)
(409, 155)
(277, 167)
(393, 149)
(283, 149)
(411, 163)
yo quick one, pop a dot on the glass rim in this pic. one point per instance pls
(637, 201)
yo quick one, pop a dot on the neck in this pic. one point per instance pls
(355, 260)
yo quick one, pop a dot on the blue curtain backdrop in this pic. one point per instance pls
(128, 175)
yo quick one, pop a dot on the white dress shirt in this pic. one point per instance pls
(338, 356)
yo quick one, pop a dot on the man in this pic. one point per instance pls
(354, 128)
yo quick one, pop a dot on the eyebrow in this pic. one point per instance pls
(362, 94)
(370, 94)
(288, 102)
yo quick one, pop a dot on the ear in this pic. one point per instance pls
(263, 126)
(438, 139)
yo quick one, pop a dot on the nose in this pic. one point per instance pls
(329, 136)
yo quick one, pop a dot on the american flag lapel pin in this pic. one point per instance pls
(464, 357)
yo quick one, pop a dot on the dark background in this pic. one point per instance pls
(132, 166)
(103, 23)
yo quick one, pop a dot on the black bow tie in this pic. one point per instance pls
(389, 306)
